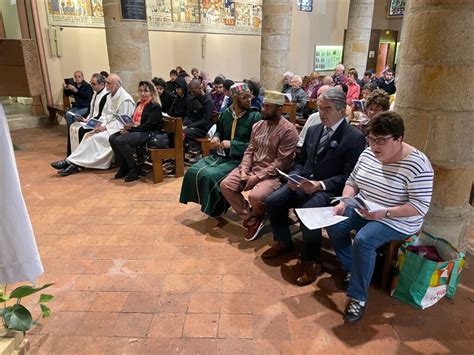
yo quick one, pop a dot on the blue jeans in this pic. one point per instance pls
(78, 111)
(359, 257)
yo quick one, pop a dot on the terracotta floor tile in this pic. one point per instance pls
(178, 283)
(193, 346)
(172, 303)
(201, 325)
(132, 324)
(140, 302)
(204, 303)
(64, 323)
(235, 326)
(273, 346)
(155, 346)
(77, 301)
(235, 346)
(236, 303)
(234, 283)
(271, 327)
(207, 283)
(167, 325)
(109, 301)
(98, 324)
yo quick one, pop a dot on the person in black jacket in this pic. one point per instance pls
(166, 97)
(329, 153)
(179, 107)
(198, 116)
(387, 82)
(147, 118)
(82, 93)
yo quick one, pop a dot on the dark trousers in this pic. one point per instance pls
(278, 205)
(125, 145)
(190, 134)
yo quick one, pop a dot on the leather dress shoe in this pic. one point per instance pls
(71, 169)
(312, 270)
(278, 249)
(60, 164)
(120, 174)
(132, 176)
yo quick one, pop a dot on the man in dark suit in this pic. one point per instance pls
(328, 155)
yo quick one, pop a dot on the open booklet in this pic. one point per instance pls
(124, 119)
(92, 123)
(359, 203)
(359, 104)
(77, 118)
(318, 217)
(294, 178)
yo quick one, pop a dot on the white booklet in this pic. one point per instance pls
(318, 217)
(77, 118)
(359, 203)
(294, 178)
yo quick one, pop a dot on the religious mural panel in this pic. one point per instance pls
(212, 16)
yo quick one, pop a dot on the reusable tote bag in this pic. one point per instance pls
(422, 282)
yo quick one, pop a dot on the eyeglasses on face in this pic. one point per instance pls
(378, 141)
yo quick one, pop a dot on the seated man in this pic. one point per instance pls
(328, 156)
(179, 106)
(286, 81)
(272, 146)
(228, 96)
(82, 93)
(201, 181)
(170, 84)
(198, 118)
(387, 82)
(298, 95)
(217, 94)
(94, 151)
(99, 98)
(338, 76)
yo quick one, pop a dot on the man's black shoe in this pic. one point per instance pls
(354, 312)
(120, 174)
(60, 164)
(71, 169)
(132, 176)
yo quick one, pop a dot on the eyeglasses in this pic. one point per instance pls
(378, 141)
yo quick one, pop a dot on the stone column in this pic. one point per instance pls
(435, 96)
(276, 36)
(128, 47)
(359, 26)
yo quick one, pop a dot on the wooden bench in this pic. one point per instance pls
(174, 126)
(290, 109)
(205, 142)
(55, 110)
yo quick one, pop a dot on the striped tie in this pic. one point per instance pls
(324, 139)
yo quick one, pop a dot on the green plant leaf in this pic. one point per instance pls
(4, 298)
(24, 291)
(7, 314)
(45, 298)
(19, 318)
(45, 311)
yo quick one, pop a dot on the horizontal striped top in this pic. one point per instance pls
(409, 180)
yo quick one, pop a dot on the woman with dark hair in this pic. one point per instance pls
(147, 118)
(394, 175)
(166, 97)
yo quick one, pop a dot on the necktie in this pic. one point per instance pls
(324, 139)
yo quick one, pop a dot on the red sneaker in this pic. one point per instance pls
(253, 229)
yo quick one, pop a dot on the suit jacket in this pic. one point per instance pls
(335, 163)
(151, 120)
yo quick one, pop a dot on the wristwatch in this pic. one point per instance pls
(388, 213)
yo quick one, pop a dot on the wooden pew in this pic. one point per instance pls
(290, 109)
(60, 110)
(176, 152)
(206, 142)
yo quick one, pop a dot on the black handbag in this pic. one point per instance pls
(158, 140)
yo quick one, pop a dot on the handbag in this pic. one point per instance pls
(423, 282)
(158, 140)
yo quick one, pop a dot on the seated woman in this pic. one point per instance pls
(313, 85)
(394, 175)
(201, 181)
(297, 94)
(147, 119)
(378, 101)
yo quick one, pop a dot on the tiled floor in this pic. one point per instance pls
(137, 272)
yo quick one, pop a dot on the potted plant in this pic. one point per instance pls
(16, 318)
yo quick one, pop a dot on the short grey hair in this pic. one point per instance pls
(99, 78)
(336, 96)
(288, 73)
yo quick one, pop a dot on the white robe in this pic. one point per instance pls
(19, 258)
(93, 112)
(95, 151)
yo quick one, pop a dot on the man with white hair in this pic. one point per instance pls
(338, 77)
(328, 155)
(297, 94)
(94, 151)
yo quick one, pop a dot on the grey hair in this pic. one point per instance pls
(100, 79)
(336, 96)
(288, 73)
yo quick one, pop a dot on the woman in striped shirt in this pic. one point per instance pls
(394, 175)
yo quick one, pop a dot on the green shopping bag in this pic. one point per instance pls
(422, 282)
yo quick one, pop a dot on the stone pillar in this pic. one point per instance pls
(276, 37)
(359, 26)
(128, 47)
(435, 98)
